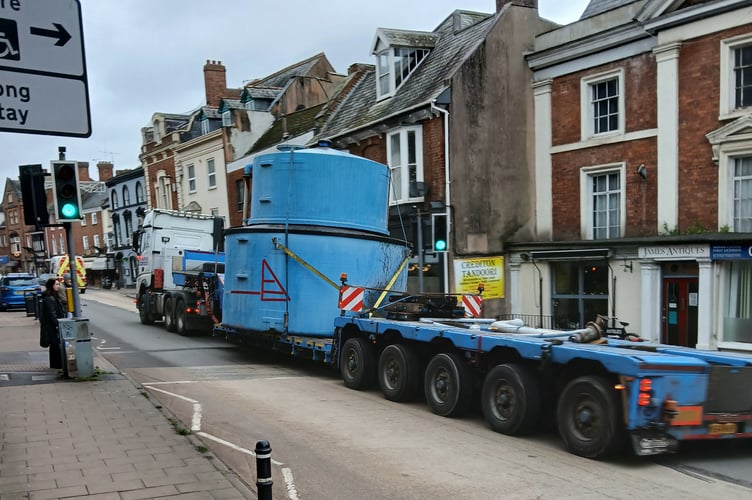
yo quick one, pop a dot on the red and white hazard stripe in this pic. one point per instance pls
(351, 298)
(473, 305)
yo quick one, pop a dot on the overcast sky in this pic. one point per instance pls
(147, 56)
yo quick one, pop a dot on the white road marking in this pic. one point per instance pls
(168, 383)
(292, 490)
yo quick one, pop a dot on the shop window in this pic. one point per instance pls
(580, 293)
(737, 318)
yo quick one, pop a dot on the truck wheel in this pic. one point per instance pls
(143, 309)
(169, 315)
(588, 417)
(448, 385)
(399, 373)
(511, 399)
(358, 366)
(181, 325)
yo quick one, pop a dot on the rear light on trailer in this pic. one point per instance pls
(646, 392)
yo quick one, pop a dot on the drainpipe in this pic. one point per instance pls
(447, 198)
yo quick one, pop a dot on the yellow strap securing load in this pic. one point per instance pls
(303, 263)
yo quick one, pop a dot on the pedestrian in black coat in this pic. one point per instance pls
(51, 311)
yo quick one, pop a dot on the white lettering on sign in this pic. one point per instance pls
(677, 251)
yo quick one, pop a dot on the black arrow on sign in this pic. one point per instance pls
(60, 33)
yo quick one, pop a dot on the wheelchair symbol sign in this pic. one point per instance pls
(9, 40)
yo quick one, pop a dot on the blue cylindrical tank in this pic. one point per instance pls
(329, 209)
(321, 187)
(267, 290)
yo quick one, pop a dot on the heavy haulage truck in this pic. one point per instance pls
(180, 265)
(313, 272)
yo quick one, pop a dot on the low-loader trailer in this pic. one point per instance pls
(317, 222)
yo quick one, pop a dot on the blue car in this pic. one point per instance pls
(13, 290)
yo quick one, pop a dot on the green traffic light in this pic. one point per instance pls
(69, 211)
(440, 245)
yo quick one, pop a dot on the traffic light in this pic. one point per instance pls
(439, 233)
(66, 193)
(34, 195)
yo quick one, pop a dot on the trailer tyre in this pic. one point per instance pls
(511, 399)
(399, 373)
(169, 315)
(589, 418)
(448, 385)
(358, 366)
(181, 325)
(143, 309)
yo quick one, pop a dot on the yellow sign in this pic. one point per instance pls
(469, 273)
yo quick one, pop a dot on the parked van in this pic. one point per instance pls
(60, 266)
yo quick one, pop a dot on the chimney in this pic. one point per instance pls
(105, 170)
(215, 82)
(83, 171)
(533, 4)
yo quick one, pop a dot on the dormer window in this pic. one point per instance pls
(399, 53)
(225, 111)
(394, 66)
(204, 120)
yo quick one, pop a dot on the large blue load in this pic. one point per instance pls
(315, 214)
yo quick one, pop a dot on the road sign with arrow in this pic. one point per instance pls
(43, 82)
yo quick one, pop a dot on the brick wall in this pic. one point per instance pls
(640, 90)
(639, 87)
(215, 82)
(699, 96)
(641, 217)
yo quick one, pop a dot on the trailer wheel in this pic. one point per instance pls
(511, 399)
(399, 373)
(143, 309)
(588, 417)
(358, 366)
(448, 385)
(181, 325)
(169, 315)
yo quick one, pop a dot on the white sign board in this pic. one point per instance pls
(43, 86)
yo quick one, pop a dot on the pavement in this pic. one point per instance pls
(99, 437)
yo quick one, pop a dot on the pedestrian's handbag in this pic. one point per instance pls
(44, 341)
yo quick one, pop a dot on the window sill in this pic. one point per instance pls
(735, 346)
(603, 140)
(406, 201)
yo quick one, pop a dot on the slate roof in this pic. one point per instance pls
(262, 92)
(174, 122)
(403, 38)
(295, 124)
(92, 200)
(281, 77)
(596, 7)
(360, 109)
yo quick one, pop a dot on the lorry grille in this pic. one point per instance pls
(729, 390)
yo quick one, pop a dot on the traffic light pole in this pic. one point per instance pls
(73, 269)
(72, 264)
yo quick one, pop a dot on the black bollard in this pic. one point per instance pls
(264, 470)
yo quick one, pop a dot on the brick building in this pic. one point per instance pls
(642, 173)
